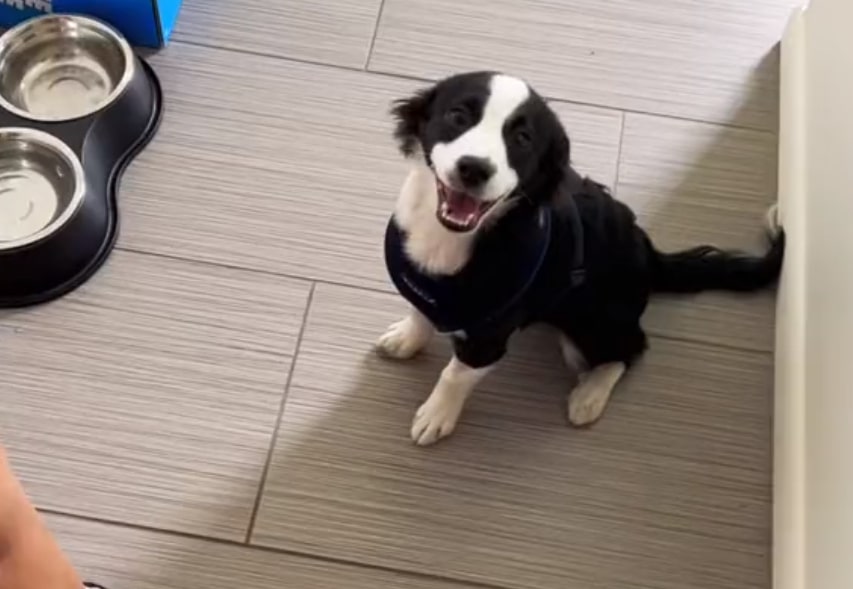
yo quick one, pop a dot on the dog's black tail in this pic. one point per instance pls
(710, 268)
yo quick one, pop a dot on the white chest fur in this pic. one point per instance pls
(429, 244)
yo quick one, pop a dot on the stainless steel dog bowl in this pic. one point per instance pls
(42, 186)
(76, 106)
(61, 67)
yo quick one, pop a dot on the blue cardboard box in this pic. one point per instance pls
(143, 22)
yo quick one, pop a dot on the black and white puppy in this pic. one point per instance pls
(494, 230)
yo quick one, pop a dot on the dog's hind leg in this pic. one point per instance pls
(600, 360)
(405, 338)
(572, 355)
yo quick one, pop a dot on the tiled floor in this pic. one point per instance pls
(206, 412)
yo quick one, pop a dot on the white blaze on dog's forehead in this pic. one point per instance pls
(507, 94)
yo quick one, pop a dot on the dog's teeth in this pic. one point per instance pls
(445, 209)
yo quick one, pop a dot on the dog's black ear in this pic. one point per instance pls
(558, 154)
(554, 164)
(411, 114)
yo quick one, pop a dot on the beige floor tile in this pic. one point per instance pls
(121, 557)
(743, 321)
(670, 490)
(150, 395)
(329, 31)
(286, 167)
(689, 58)
(594, 134)
(693, 183)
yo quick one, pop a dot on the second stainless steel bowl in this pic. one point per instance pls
(62, 67)
(42, 185)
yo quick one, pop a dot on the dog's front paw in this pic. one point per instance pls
(436, 418)
(404, 339)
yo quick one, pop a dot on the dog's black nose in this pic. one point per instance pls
(474, 171)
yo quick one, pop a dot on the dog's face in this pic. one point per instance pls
(488, 138)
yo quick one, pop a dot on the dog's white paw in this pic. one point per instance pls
(436, 418)
(587, 404)
(589, 399)
(404, 339)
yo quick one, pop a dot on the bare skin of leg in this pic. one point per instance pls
(29, 555)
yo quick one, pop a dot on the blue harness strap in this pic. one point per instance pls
(577, 274)
(488, 286)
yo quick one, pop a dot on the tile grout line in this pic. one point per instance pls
(274, 439)
(708, 344)
(227, 266)
(301, 60)
(619, 155)
(267, 549)
(372, 45)
(413, 78)
(389, 292)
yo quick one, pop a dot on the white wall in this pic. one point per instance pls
(814, 413)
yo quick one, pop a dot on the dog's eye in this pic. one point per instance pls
(458, 117)
(523, 139)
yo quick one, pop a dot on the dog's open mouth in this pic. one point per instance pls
(458, 210)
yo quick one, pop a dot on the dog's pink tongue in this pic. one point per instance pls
(461, 205)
